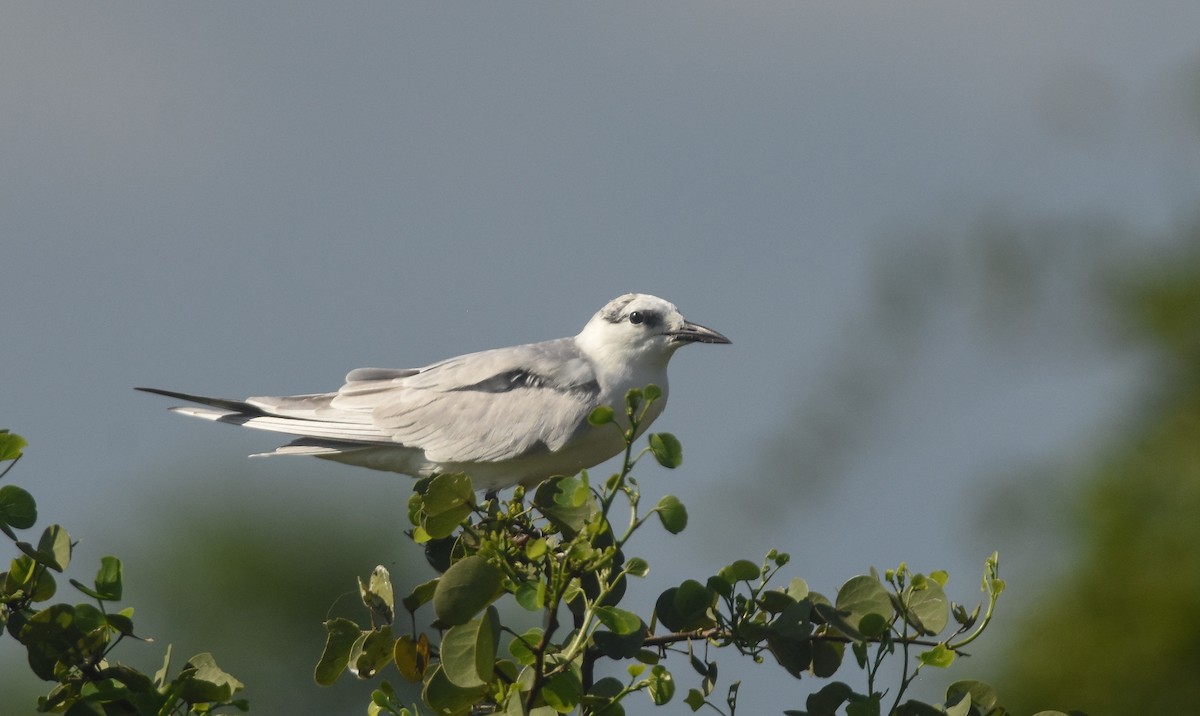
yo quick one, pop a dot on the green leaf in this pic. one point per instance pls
(447, 492)
(110, 578)
(938, 656)
(53, 549)
(652, 392)
(11, 445)
(694, 700)
(666, 449)
(695, 600)
(563, 691)
(742, 570)
(447, 501)
(794, 655)
(620, 621)
(446, 698)
(371, 652)
(421, 594)
(531, 595)
(465, 589)
(961, 707)
(619, 646)
(108, 581)
(17, 509)
(830, 615)
(862, 596)
(797, 589)
(535, 549)
(872, 625)
(673, 514)
(828, 699)
(793, 621)
(522, 647)
(203, 681)
(340, 638)
(774, 601)
(567, 502)
(468, 651)
(377, 594)
(826, 658)
(601, 416)
(660, 685)
(25, 577)
(89, 619)
(122, 623)
(686, 607)
(160, 676)
(930, 607)
(637, 566)
(983, 696)
(868, 706)
(44, 588)
(633, 398)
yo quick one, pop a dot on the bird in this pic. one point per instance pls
(505, 416)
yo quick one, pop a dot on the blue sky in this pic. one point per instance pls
(239, 199)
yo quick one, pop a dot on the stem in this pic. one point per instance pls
(904, 680)
(10, 466)
(989, 580)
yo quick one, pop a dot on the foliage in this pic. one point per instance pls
(70, 644)
(1122, 620)
(563, 555)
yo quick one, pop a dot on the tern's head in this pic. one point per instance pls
(638, 325)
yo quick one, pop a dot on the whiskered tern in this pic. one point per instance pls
(505, 416)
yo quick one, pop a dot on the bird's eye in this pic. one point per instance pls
(636, 317)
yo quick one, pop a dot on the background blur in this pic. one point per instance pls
(953, 245)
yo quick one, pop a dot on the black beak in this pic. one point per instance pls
(695, 333)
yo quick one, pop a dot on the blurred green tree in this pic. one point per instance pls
(220, 560)
(1119, 633)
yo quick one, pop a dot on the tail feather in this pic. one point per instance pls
(237, 406)
(358, 429)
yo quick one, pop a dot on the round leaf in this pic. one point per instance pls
(447, 699)
(938, 656)
(660, 686)
(468, 651)
(601, 415)
(742, 570)
(372, 652)
(412, 657)
(930, 607)
(638, 567)
(563, 691)
(11, 445)
(617, 646)
(863, 595)
(673, 514)
(342, 634)
(465, 589)
(522, 647)
(666, 449)
(619, 621)
(686, 607)
(17, 508)
(982, 695)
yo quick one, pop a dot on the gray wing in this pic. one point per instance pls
(482, 407)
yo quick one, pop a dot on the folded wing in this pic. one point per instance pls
(482, 407)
